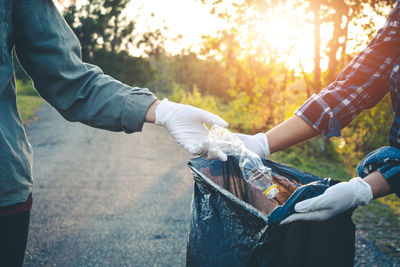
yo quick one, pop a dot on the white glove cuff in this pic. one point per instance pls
(163, 111)
(263, 140)
(362, 191)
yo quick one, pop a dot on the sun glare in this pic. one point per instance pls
(188, 19)
(285, 32)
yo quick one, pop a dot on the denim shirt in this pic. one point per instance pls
(50, 54)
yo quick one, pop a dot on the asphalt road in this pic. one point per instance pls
(106, 199)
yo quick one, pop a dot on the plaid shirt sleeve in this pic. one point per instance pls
(361, 85)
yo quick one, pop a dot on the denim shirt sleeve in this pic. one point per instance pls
(386, 160)
(51, 55)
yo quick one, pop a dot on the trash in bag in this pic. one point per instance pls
(253, 170)
(234, 224)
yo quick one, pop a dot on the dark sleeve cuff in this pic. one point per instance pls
(316, 112)
(386, 160)
(134, 110)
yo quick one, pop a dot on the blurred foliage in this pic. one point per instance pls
(101, 24)
(106, 35)
(27, 105)
(248, 86)
(188, 71)
(134, 71)
(366, 133)
(28, 99)
(25, 87)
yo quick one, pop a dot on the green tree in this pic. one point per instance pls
(258, 80)
(106, 35)
(340, 14)
(135, 71)
(100, 24)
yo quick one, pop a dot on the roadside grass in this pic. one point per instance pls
(27, 100)
(27, 105)
(317, 165)
(380, 219)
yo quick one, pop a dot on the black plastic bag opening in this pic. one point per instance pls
(234, 224)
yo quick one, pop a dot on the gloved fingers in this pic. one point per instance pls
(212, 119)
(257, 143)
(204, 149)
(319, 215)
(215, 152)
(293, 217)
(312, 204)
(210, 151)
(194, 149)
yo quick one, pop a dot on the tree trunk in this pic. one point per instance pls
(346, 38)
(333, 48)
(307, 81)
(341, 9)
(114, 41)
(315, 6)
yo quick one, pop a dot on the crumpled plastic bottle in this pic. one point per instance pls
(254, 171)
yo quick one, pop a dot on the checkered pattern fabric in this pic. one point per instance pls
(361, 85)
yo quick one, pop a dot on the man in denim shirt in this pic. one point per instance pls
(50, 54)
(361, 85)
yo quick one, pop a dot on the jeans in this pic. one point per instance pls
(13, 238)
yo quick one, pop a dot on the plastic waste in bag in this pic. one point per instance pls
(251, 165)
(233, 224)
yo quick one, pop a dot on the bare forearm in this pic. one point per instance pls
(290, 132)
(295, 130)
(151, 112)
(378, 183)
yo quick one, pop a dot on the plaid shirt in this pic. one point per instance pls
(361, 85)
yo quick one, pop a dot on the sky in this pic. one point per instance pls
(189, 18)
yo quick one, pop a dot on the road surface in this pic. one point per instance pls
(106, 199)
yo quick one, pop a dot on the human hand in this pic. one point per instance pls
(257, 143)
(186, 124)
(336, 199)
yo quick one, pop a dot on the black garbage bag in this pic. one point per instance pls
(234, 224)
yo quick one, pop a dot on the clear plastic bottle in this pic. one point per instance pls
(251, 165)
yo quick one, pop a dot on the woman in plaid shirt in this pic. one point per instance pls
(361, 85)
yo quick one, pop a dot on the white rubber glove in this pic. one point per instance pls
(336, 199)
(257, 143)
(186, 124)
